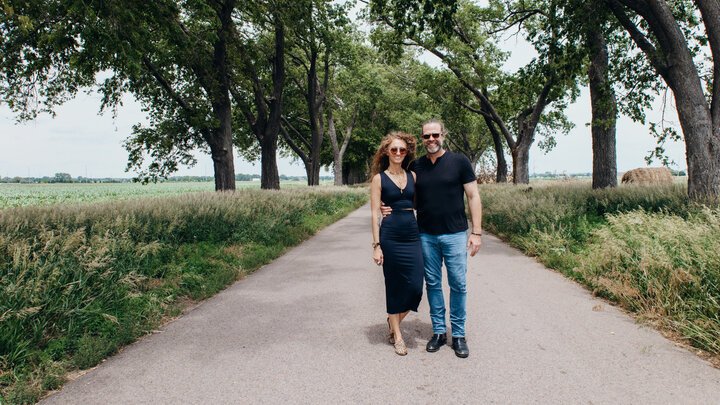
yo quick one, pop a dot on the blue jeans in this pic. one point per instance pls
(452, 248)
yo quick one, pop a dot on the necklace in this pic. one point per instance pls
(397, 178)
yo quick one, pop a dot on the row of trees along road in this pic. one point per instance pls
(299, 78)
(572, 37)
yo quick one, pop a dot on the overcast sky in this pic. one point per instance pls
(80, 142)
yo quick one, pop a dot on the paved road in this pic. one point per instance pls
(310, 328)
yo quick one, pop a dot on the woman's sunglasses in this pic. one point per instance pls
(395, 151)
(427, 136)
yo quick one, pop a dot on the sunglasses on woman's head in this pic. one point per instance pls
(427, 136)
(395, 151)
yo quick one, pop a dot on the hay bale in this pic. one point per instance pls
(648, 175)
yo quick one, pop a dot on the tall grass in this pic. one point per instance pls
(79, 281)
(648, 248)
(664, 267)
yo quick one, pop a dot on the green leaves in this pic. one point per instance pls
(662, 135)
(416, 17)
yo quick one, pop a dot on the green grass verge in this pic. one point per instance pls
(77, 282)
(647, 248)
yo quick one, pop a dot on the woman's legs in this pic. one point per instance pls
(403, 315)
(395, 320)
(395, 326)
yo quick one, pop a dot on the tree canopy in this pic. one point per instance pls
(301, 78)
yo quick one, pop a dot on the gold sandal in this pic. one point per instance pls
(400, 348)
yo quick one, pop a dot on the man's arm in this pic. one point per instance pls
(473, 197)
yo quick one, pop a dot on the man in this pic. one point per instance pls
(442, 179)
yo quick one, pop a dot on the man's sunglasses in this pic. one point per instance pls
(395, 151)
(427, 136)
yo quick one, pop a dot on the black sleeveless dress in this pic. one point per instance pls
(402, 251)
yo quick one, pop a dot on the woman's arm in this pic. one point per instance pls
(375, 189)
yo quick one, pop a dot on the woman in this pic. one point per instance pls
(396, 244)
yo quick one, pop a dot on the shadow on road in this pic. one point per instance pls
(415, 332)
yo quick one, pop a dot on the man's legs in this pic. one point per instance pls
(432, 254)
(454, 250)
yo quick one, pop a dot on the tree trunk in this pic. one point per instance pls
(674, 63)
(527, 125)
(702, 143)
(313, 172)
(337, 153)
(315, 98)
(313, 169)
(337, 172)
(269, 177)
(525, 139)
(224, 170)
(339, 150)
(521, 164)
(312, 162)
(221, 150)
(604, 113)
(702, 135)
(502, 169)
(217, 84)
(501, 174)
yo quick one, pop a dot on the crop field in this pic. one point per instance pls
(21, 195)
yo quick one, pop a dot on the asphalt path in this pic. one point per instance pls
(310, 328)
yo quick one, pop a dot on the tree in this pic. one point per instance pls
(462, 40)
(619, 78)
(592, 28)
(413, 17)
(337, 148)
(322, 39)
(177, 59)
(258, 87)
(353, 88)
(468, 133)
(384, 103)
(62, 178)
(660, 36)
(604, 112)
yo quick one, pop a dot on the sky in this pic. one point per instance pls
(81, 142)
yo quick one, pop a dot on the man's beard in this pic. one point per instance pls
(434, 148)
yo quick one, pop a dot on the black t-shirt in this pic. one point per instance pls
(439, 193)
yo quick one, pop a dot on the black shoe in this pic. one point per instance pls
(460, 347)
(437, 341)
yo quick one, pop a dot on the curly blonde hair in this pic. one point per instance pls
(381, 161)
